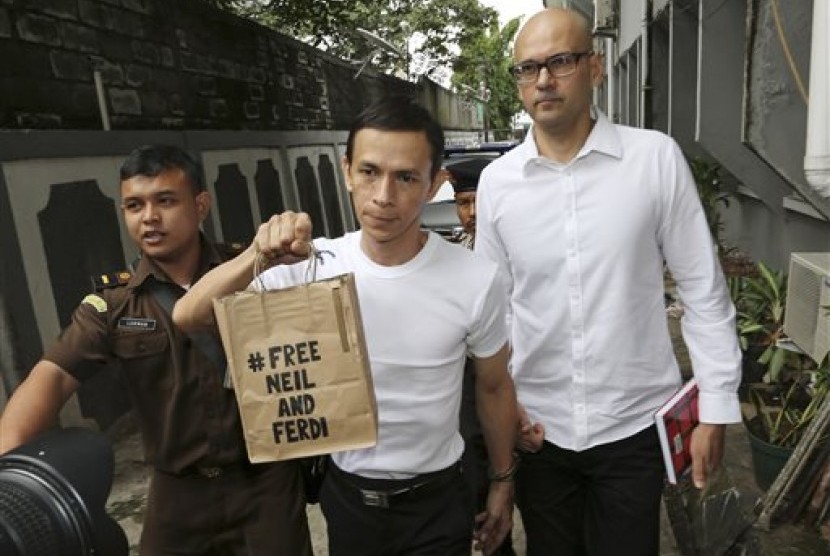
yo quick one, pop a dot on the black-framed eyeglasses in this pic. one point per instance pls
(558, 65)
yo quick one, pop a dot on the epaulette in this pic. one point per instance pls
(230, 250)
(111, 280)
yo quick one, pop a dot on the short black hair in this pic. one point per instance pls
(400, 113)
(152, 160)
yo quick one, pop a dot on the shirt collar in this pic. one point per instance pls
(147, 267)
(604, 138)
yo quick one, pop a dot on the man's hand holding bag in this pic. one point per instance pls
(300, 369)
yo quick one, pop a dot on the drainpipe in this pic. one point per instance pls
(102, 100)
(625, 94)
(670, 88)
(644, 66)
(817, 153)
(97, 66)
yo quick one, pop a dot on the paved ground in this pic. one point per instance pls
(128, 496)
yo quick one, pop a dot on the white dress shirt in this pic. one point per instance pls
(582, 245)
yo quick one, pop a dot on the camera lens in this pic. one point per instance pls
(38, 517)
(53, 493)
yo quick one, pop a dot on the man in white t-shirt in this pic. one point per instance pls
(404, 495)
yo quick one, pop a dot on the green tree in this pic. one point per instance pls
(330, 25)
(485, 63)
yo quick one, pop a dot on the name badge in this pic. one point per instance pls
(132, 323)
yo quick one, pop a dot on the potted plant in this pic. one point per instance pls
(778, 414)
(782, 388)
(784, 412)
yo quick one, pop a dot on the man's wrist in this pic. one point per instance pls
(506, 475)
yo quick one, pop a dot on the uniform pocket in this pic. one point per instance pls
(132, 345)
(145, 359)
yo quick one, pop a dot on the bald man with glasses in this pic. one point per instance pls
(581, 218)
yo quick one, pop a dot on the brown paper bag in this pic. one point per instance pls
(298, 361)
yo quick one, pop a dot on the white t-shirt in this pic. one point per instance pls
(419, 318)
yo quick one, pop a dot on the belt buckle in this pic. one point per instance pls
(210, 472)
(375, 498)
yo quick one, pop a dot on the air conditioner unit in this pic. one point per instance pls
(807, 316)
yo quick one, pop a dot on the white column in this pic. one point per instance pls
(611, 79)
(817, 155)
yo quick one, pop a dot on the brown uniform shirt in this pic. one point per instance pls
(187, 418)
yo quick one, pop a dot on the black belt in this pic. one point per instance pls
(381, 493)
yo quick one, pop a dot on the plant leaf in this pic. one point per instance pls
(776, 362)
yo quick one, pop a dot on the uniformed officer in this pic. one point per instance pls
(464, 176)
(205, 497)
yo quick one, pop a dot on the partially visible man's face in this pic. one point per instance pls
(465, 206)
(390, 179)
(163, 213)
(555, 103)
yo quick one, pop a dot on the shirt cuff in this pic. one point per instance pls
(719, 408)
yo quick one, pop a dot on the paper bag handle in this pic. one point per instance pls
(311, 267)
